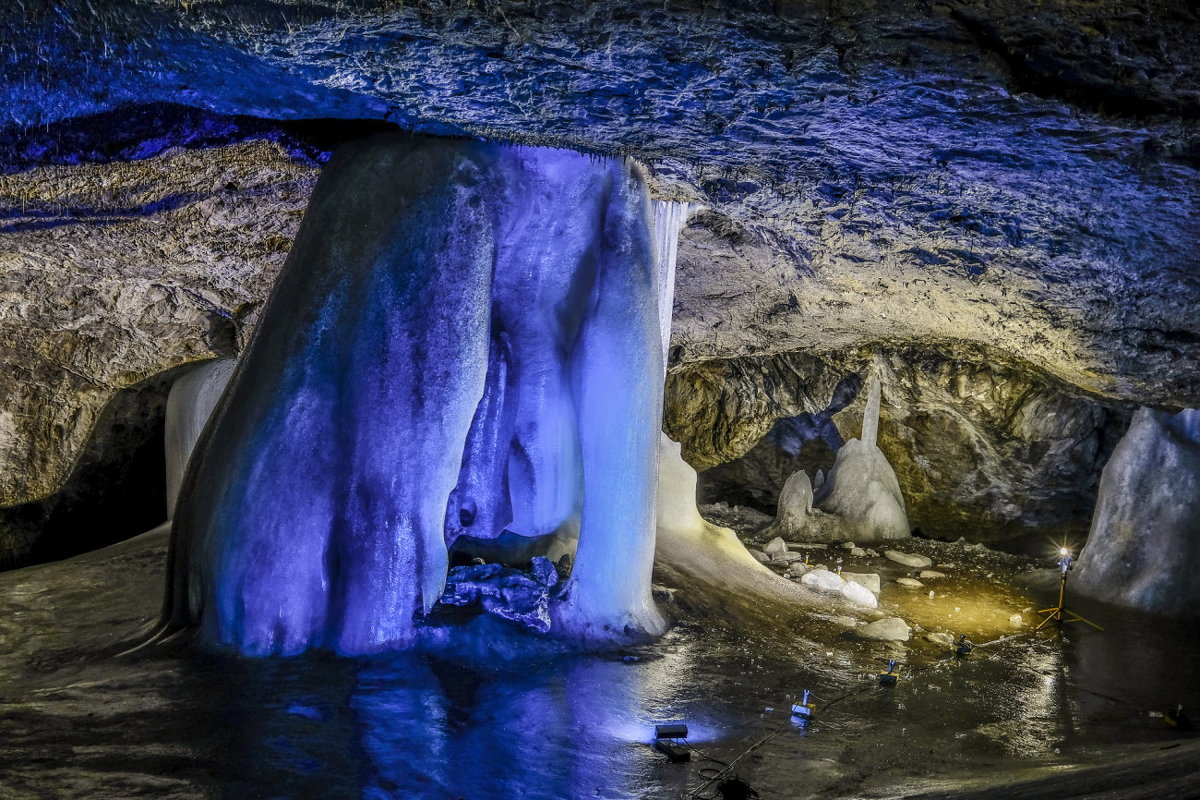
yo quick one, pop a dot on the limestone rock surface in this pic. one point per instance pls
(113, 273)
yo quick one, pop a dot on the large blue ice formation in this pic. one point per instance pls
(463, 348)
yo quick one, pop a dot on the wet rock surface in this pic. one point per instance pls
(517, 595)
(890, 629)
(908, 559)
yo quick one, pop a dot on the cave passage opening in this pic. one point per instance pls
(118, 484)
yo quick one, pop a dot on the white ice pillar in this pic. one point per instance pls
(189, 405)
(870, 426)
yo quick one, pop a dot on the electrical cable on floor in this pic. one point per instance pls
(704, 755)
(697, 793)
(727, 770)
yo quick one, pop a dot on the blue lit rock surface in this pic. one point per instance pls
(1005, 189)
(461, 326)
(1144, 547)
(512, 594)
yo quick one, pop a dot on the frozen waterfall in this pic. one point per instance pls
(464, 350)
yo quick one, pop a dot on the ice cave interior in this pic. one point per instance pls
(428, 400)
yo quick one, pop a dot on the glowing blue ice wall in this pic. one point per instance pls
(461, 327)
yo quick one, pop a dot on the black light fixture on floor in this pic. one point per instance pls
(670, 740)
(802, 711)
(889, 678)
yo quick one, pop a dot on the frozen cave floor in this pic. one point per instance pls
(1035, 715)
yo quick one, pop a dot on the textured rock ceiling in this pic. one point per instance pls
(912, 171)
(966, 177)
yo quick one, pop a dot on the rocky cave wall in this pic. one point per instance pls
(1001, 202)
(983, 449)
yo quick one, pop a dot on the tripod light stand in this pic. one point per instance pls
(1060, 613)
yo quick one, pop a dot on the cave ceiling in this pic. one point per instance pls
(971, 178)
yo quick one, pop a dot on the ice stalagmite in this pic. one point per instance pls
(862, 489)
(719, 576)
(463, 348)
(859, 501)
(795, 508)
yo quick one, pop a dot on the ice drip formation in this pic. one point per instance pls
(464, 351)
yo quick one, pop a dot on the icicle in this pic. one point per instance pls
(669, 219)
(870, 425)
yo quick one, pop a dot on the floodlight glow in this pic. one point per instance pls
(671, 730)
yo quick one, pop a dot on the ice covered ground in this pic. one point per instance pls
(79, 721)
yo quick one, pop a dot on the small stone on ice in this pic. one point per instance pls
(760, 556)
(911, 583)
(848, 545)
(776, 547)
(908, 559)
(930, 573)
(858, 552)
(1017, 620)
(890, 629)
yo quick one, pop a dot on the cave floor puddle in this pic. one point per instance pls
(78, 721)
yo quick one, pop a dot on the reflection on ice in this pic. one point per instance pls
(428, 726)
(486, 715)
